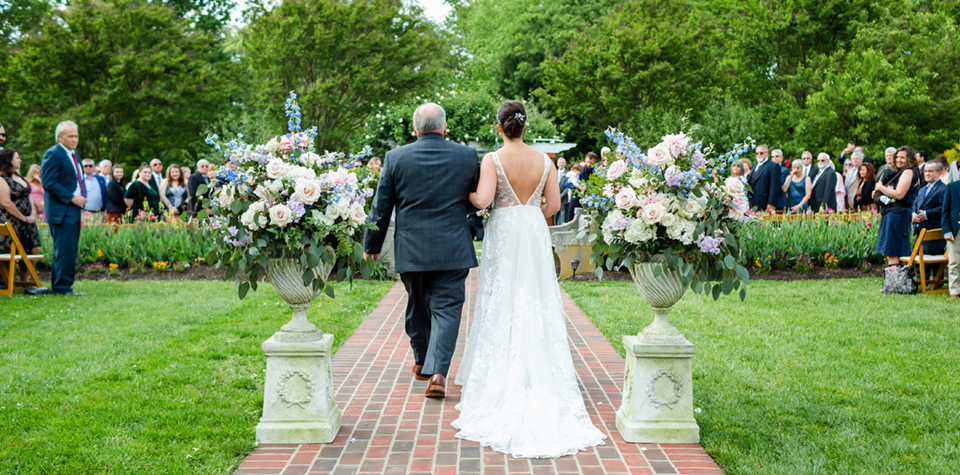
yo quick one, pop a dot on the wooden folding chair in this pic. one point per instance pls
(8, 263)
(917, 257)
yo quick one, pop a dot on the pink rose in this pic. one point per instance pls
(626, 198)
(280, 215)
(286, 144)
(616, 169)
(659, 156)
(677, 143)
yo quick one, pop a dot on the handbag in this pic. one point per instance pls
(900, 280)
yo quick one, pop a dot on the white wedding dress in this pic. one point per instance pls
(520, 394)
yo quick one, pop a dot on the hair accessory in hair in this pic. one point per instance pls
(520, 116)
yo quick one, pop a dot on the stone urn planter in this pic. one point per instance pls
(298, 403)
(657, 404)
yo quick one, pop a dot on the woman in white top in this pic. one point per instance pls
(173, 189)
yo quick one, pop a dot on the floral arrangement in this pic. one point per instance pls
(672, 202)
(283, 200)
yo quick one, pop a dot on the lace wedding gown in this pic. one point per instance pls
(520, 393)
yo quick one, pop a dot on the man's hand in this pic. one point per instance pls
(771, 209)
(850, 148)
(374, 256)
(79, 201)
(948, 237)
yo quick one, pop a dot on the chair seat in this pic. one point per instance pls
(926, 259)
(32, 257)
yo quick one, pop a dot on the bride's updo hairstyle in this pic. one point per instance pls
(512, 117)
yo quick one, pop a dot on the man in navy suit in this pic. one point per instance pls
(950, 222)
(428, 183)
(765, 182)
(64, 195)
(927, 206)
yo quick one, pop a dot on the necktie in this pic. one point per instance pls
(76, 165)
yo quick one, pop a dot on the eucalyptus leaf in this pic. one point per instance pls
(307, 277)
(243, 289)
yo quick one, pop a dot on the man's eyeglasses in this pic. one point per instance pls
(822, 161)
(88, 166)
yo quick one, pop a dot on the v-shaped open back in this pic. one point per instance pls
(506, 196)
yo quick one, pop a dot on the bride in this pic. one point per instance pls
(520, 393)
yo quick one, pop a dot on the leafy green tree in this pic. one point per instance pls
(647, 56)
(509, 41)
(139, 82)
(341, 58)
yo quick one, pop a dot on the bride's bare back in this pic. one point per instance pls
(523, 166)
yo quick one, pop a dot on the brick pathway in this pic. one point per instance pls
(389, 427)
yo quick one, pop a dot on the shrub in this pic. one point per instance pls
(804, 264)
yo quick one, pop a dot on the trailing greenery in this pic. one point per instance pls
(813, 377)
(145, 377)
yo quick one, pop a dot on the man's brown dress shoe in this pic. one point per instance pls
(417, 368)
(951, 297)
(436, 388)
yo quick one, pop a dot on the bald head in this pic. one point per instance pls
(429, 117)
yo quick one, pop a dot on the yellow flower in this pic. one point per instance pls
(114, 266)
(99, 253)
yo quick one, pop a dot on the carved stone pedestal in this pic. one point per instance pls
(657, 402)
(298, 403)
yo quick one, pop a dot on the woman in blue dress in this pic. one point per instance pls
(797, 187)
(896, 194)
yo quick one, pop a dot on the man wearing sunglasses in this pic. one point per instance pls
(96, 188)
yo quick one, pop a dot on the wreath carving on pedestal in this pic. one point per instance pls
(677, 388)
(310, 389)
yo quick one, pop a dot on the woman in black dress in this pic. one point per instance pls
(116, 205)
(140, 191)
(17, 208)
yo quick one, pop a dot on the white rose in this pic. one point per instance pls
(357, 215)
(275, 185)
(638, 231)
(248, 217)
(276, 168)
(691, 209)
(280, 215)
(734, 187)
(638, 181)
(307, 191)
(310, 158)
(338, 209)
(226, 197)
(659, 156)
(669, 220)
(616, 169)
(653, 213)
(272, 146)
(296, 172)
(626, 198)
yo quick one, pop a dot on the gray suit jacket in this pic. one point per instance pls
(428, 182)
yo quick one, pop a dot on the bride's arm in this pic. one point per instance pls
(551, 191)
(487, 186)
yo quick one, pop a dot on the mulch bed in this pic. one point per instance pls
(196, 272)
(818, 273)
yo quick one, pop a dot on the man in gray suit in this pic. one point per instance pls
(428, 183)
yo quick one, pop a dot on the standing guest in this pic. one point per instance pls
(116, 205)
(581, 185)
(64, 197)
(736, 171)
(17, 208)
(105, 168)
(823, 187)
(845, 154)
(851, 180)
(96, 188)
(605, 157)
(950, 222)
(140, 191)
(561, 174)
(798, 188)
(747, 167)
(185, 171)
(36, 187)
(765, 182)
(839, 190)
(808, 168)
(375, 164)
(358, 164)
(926, 208)
(863, 199)
(889, 157)
(173, 190)
(954, 172)
(944, 168)
(922, 156)
(777, 157)
(197, 179)
(897, 193)
(566, 188)
(156, 169)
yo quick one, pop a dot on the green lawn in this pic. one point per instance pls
(812, 377)
(145, 377)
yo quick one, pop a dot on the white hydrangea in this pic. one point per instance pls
(297, 172)
(638, 231)
(249, 218)
(682, 231)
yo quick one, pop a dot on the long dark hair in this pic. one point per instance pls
(911, 158)
(6, 161)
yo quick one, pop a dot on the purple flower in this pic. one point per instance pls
(698, 160)
(297, 208)
(672, 176)
(709, 244)
(232, 230)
